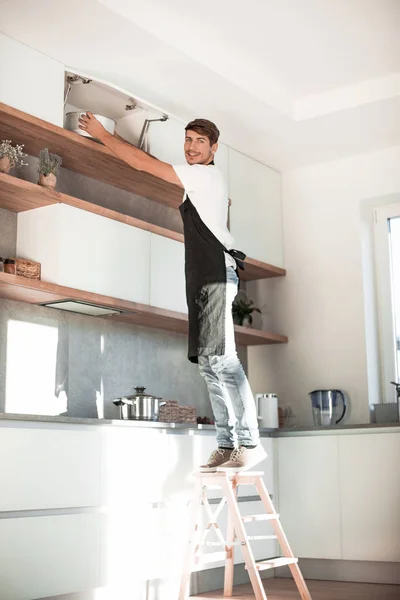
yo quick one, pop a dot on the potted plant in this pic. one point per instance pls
(49, 166)
(242, 310)
(11, 156)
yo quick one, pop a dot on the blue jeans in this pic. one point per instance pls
(231, 397)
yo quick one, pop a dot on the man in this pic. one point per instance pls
(211, 286)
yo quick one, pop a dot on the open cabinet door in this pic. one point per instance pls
(83, 92)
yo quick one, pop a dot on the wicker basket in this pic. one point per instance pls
(171, 412)
(27, 268)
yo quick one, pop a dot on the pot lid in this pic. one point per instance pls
(140, 393)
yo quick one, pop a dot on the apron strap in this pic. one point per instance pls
(238, 256)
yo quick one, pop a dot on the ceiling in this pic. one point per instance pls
(291, 83)
(292, 47)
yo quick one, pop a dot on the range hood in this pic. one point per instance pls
(83, 308)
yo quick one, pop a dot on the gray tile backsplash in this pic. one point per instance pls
(86, 362)
(92, 362)
(8, 227)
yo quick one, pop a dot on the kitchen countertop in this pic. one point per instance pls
(209, 429)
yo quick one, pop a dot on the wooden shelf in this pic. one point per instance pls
(255, 269)
(83, 156)
(18, 195)
(30, 291)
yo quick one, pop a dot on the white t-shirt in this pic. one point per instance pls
(207, 190)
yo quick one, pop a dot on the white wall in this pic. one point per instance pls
(320, 304)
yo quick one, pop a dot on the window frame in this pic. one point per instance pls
(386, 317)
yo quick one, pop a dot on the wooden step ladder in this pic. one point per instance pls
(228, 483)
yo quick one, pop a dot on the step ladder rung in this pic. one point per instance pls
(212, 487)
(225, 544)
(273, 563)
(237, 543)
(212, 544)
(262, 537)
(262, 517)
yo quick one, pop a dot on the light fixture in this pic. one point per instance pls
(83, 308)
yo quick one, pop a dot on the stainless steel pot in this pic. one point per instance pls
(139, 406)
(72, 123)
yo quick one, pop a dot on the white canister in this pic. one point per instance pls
(267, 410)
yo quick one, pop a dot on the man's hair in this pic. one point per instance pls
(204, 127)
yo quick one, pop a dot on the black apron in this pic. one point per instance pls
(205, 272)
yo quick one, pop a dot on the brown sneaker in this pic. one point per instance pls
(217, 458)
(243, 458)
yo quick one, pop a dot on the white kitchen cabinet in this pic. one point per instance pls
(268, 465)
(122, 483)
(222, 161)
(31, 81)
(85, 251)
(104, 98)
(309, 502)
(256, 210)
(50, 555)
(167, 274)
(370, 496)
(48, 468)
(144, 548)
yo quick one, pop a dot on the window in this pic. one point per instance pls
(31, 369)
(387, 252)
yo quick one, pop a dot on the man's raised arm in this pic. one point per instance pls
(129, 154)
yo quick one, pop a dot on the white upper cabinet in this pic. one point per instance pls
(167, 274)
(222, 161)
(85, 251)
(103, 98)
(256, 211)
(31, 81)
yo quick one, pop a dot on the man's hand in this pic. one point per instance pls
(89, 123)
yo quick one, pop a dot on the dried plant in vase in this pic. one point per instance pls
(11, 156)
(49, 166)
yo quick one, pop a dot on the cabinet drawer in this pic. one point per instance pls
(47, 468)
(48, 556)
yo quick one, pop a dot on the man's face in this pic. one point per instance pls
(198, 150)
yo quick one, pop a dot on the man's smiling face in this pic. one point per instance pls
(198, 150)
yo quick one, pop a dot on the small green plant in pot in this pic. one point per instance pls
(11, 156)
(242, 311)
(49, 166)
